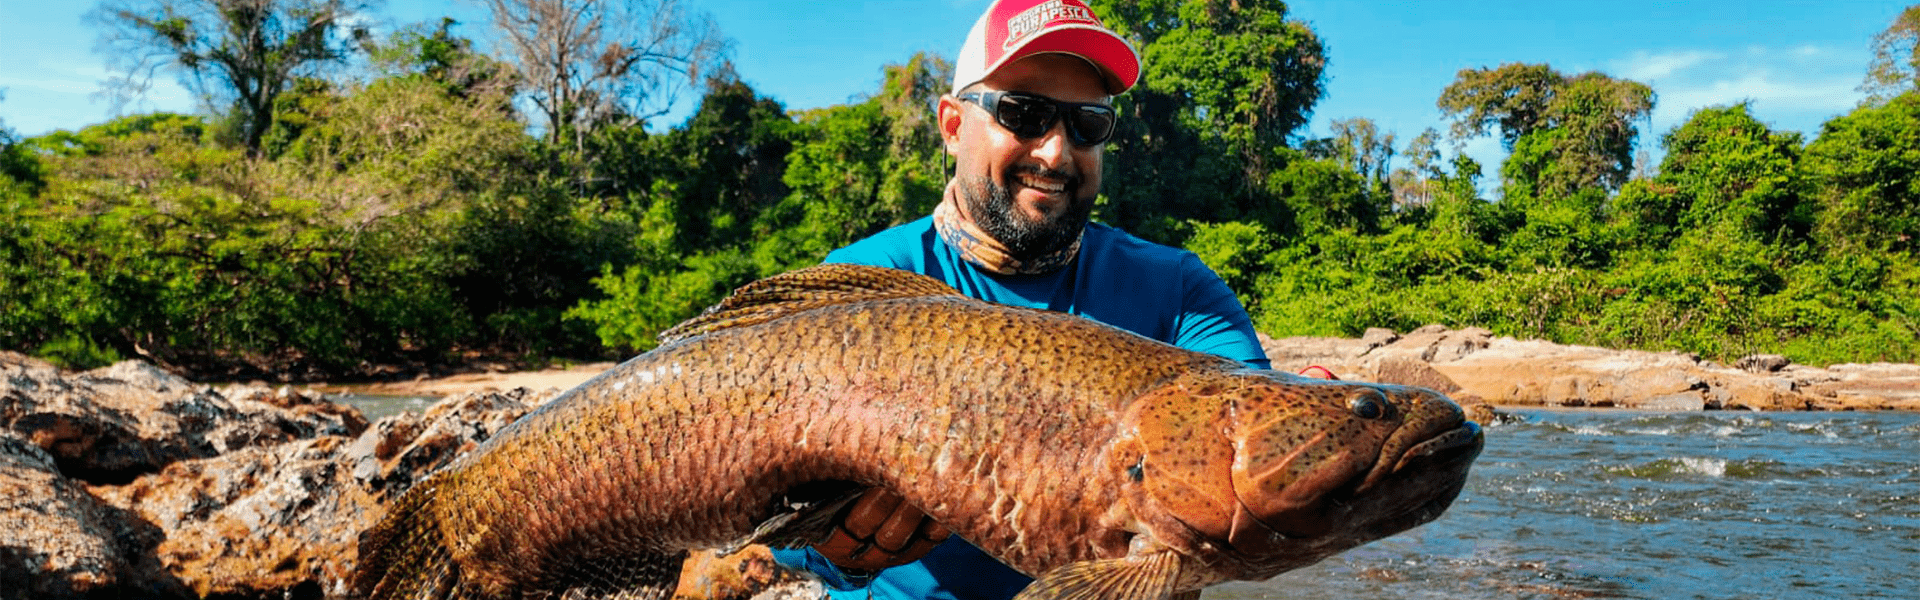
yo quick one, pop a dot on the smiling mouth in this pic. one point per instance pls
(1043, 184)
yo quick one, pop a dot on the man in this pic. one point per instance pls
(1026, 123)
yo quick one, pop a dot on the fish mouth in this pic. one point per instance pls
(1418, 486)
(1424, 481)
(1457, 444)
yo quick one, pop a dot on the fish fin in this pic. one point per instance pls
(1149, 577)
(806, 289)
(803, 516)
(636, 575)
(404, 554)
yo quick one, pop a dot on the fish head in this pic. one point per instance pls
(1272, 471)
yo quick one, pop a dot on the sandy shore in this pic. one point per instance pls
(541, 380)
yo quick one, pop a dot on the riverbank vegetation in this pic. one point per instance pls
(403, 197)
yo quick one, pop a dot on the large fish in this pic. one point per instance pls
(1108, 465)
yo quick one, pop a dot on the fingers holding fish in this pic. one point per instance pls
(881, 530)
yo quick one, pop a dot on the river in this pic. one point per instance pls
(1653, 505)
(1618, 504)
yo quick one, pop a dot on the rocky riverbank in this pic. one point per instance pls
(129, 482)
(1474, 366)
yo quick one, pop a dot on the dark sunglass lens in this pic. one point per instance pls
(1092, 125)
(1025, 117)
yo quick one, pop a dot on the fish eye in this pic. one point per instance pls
(1369, 405)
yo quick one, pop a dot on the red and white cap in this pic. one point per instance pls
(1011, 29)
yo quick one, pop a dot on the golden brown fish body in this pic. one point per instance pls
(1107, 464)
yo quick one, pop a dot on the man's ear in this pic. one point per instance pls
(950, 119)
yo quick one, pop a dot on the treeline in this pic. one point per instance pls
(404, 198)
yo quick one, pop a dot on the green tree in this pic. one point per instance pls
(17, 166)
(722, 168)
(1225, 83)
(589, 63)
(1723, 168)
(1864, 170)
(239, 55)
(859, 168)
(1564, 133)
(848, 171)
(1896, 58)
(436, 54)
(1318, 195)
(1358, 144)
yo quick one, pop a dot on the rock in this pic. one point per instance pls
(1868, 386)
(1691, 400)
(130, 482)
(1295, 353)
(1774, 393)
(113, 424)
(1762, 363)
(59, 541)
(1488, 416)
(1435, 344)
(1658, 389)
(749, 573)
(1507, 371)
(1429, 329)
(274, 521)
(1481, 413)
(1456, 345)
(1376, 337)
(257, 522)
(1405, 371)
(398, 450)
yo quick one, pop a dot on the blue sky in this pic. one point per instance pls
(1797, 61)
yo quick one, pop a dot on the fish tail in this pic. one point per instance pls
(405, 555)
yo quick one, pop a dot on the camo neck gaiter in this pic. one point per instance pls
(979, 248)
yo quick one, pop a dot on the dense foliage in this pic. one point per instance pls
(411, 210)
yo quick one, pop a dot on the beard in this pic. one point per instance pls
(993, 211)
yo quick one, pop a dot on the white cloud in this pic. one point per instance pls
(1771, 90)
(1796, 87)
(1644, 65)
(45, 95)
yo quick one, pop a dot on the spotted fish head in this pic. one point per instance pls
(1272, 471)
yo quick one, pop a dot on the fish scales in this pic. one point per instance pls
(1020, 430)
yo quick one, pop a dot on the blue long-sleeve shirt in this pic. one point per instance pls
(1156, 291)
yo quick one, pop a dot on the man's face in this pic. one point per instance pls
(1033, 195)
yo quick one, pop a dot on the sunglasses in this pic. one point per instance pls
(1030, 115)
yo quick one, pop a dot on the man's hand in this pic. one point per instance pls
(879, 530)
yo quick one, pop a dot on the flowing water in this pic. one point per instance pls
(1620, 504)
(377, 406)
(1624, 504)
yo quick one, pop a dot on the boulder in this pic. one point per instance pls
(284, 521)
(1762, 363)
(256, 522)
(1295, 353)
(1375, 337)
(1508, 371)
(1755, 393)
(59, 541)
(130, 482)
(113, 424)
(1400, 370)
